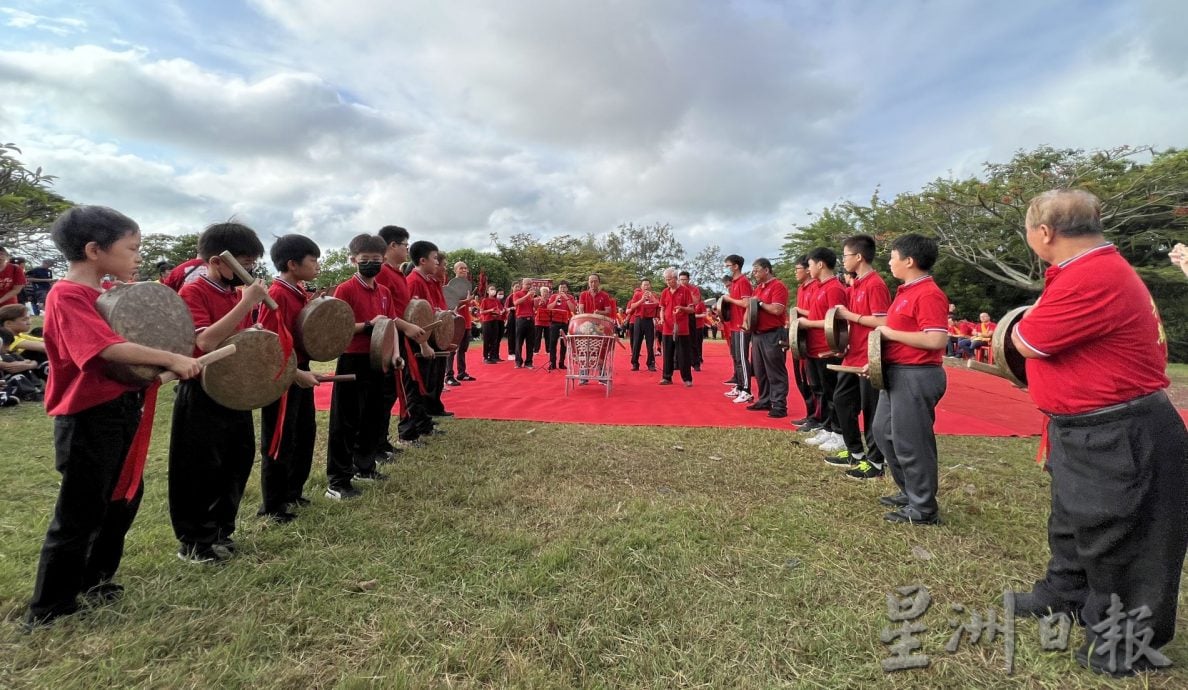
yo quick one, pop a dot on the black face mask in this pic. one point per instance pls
(234, 281)
(370, 269)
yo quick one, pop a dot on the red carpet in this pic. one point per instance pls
(975, 404)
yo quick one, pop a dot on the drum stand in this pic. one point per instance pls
(589, 358)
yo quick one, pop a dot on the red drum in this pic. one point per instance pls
(591, 324)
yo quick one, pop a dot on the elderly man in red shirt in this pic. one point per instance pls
(767, 350)
(676, 305)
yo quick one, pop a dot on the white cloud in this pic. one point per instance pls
(59, 26)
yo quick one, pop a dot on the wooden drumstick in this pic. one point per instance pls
(336, 378)
(246, 277)
(212, 356)
(984, 368)
(844, 369)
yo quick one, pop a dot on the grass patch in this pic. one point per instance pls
(528, 554)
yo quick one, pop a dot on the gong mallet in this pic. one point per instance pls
(246, 277)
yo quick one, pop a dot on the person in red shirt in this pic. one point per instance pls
(424, 283)
(458, 357)
(808, 387)
(562, 307)
(12, 279)
(212, 447)
(696, 319)
(642, 309)
(980, 337)
(739, 291)
(828, 293)
(914, 336)
(95, 416)
(392, 277)
(1118, 530)
(359, 409)
(283, 474)
(676, 304)
(542, 324)
(490, 313)
(595, 300)
(524, 302)
(509, 325)
(868, 296)
(767, 350)
(185, 272)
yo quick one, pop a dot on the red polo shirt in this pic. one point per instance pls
(561, 307)
(11, 276)
(643, 306)
(593, 302)
(367, 302)
(1099, 334)
(673, 323)
(290, 300)
(740, 288)
(523, 309)
(428, 289)
(868, 296)
(828, 293)
(489, 303)
(75, 334)
(540, 306)
(209, 302)
(772, 292)
(919, 306)
(397, 285)
(185, 273)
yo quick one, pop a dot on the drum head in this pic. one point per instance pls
(1012, 364)
(837, 331)
(255, 376)
(591, 324)
(418, 312)
(324, 328)
(443, 334)
(456, 290)
(148, 314)
(874, 355)
(383, 343)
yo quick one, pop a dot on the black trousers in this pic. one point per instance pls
(211, 450)
(510, 330)
(854, 395)
(458, 357)
(643, 331)
(740, 356)
(418, 421)
(435, 384)
(359, 413)
(678, 354)
(695, 339)
(282, 478)
(800, 374)
(827, 380)
(525, 335)
(85, 540)
(557, 332)
(1119, 521)
(491, 341)
(771, 370)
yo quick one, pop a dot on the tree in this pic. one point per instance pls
(706, 269)
(649, 248)
(27, 206)
(498, 272)
(335, 267)
(175, 249)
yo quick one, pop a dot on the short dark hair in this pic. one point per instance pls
(292, 248)
(79, 226)
(366, 244)
(862, 245)
(683, 274)
(12, 312)
(393, 233)
(912, 246)
(233, 237)
(736, 260)
(824, 255)
(727, 279)
(762, 263)
(421, 249)
(563, 282)
(802, 261)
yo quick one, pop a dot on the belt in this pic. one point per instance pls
(1113, 413)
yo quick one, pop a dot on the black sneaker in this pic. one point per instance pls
(652, 369)
(730, 382)
(443, 413)
(467, 377)
(811, 425)
(805, 420)
(32, 622)
(342, 493)
(371, 476)
(841, 459)
(634, 367)
(301, 501)
(451, 381)
(665, 382)
(226, 545)
(103, 593)
(199, 553)
(909, 516)
(865, 470)
(1038, 606)
(899, 500)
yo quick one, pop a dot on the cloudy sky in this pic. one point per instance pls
(729, 120)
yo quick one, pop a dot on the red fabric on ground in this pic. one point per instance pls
(975, 404)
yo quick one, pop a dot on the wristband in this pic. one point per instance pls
(368, 327)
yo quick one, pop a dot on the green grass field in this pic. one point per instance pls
(537, 555)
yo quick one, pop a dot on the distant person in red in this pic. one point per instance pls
(185, 272)
(642, 309)
(770, 359)
(562, 307)
(541, 322)
(490, 313)
(12, 279)
(595, 300)
(738, 292)
(1118, 530)
(979, 337)
(676, 305)
(696, 319)
(829, 293)
(523, 302)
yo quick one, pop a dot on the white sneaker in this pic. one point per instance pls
(731, 393)
(821, 437)
(834, 444)
(743, 397)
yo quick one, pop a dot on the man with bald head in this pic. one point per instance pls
(1118, 450)
(461, 270)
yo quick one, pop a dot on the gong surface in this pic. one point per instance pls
(874, 355)
(256, 375)
(837, 331)
(383, 343)
(456, 290)
(149, 314)
(1010, 363)
(325, 327)
(751, 316)
(443, 333)
(418, 312)
(797, 340)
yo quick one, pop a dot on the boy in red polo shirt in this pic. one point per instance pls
(914, 334)
(422, 403)
(358, 411)
(95, 417)
(1118, 530)
(283, 474)
(12, 279)
(868, 296)
(211, 447)
(809, 387)
(828, 293)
